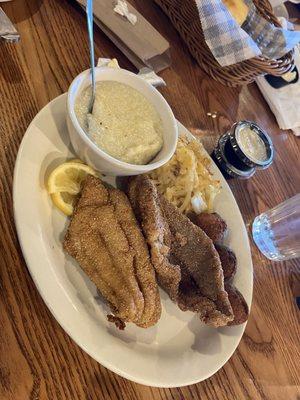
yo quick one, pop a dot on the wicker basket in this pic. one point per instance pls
(184, 16)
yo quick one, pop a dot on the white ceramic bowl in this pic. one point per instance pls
(87, 150)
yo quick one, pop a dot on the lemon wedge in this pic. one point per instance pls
(64, 184)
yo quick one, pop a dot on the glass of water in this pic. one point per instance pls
(277, 231)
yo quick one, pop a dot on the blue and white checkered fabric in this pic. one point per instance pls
(273, 42)
(227, 41)
(230, 43)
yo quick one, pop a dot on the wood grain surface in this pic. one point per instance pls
(37, 358)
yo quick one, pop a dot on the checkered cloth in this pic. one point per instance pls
(273, 42)
(231, 43)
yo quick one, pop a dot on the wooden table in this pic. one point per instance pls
(37, 358)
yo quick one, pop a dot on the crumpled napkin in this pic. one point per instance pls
(121, 8)
(231, 43)
(145, 73)
(284, 102)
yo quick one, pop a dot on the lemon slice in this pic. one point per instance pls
(64, 183)
(64, 202)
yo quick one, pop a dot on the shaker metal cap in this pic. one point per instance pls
(236, 138)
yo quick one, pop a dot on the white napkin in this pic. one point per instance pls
(284, 102)
(145, 73)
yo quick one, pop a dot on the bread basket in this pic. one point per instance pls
(184, 16)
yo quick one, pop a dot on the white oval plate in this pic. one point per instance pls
(179, 350)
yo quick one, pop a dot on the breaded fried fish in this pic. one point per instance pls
(105, 239)
(187, 264)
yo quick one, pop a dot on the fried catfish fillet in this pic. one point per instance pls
(186, 262)
(105, 239)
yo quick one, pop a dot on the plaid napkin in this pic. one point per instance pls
(227, 41)
(231, 43)
(273, 42)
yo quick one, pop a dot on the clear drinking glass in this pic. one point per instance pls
(277, 231)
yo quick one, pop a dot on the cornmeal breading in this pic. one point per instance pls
(105, 239)
(186, 262)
